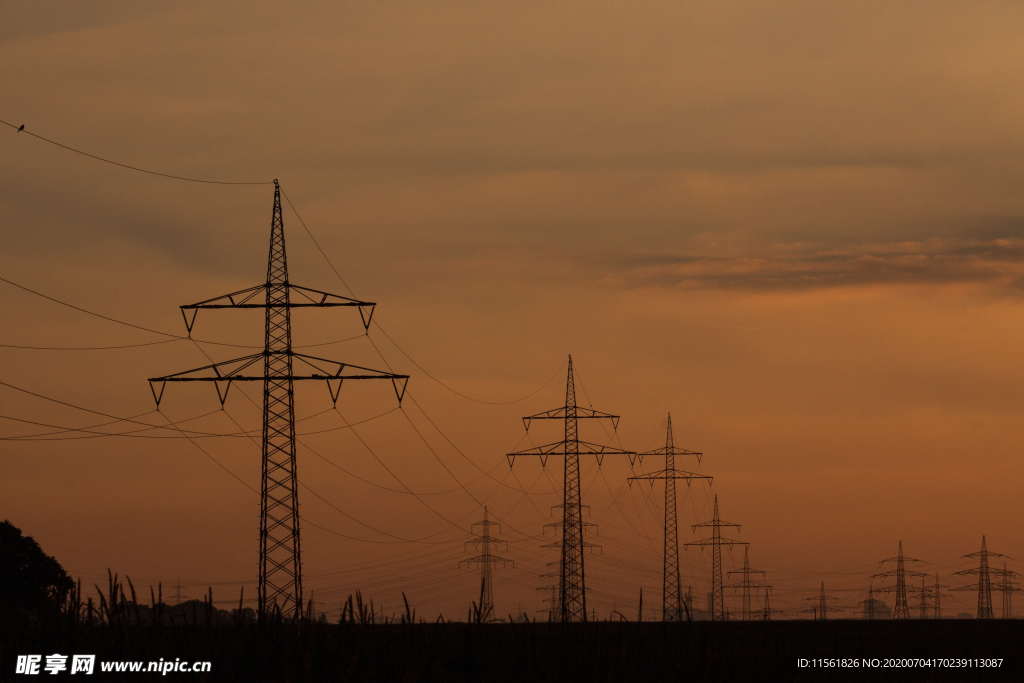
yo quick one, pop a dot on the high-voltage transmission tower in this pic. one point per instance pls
(923, 594)
(935, 595)
(572, 586)
(821, 607)
(984, 572)
(673, 607)
(1008, 588)
(716, 541)
(746, 585)
(483, 542)
(550, 590)
(280, 556)
(766, 610)
(902, 608)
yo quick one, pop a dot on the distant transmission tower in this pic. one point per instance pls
(572, 586)
(984, 573)
(936, 597)
(902, 608)
(550, 589)
(1008, 588)
(766, 610)
(672, 606)
(280, 570)
(486, 560)
(821, 607)
(746, 585)
(931, 599)
(716, 541)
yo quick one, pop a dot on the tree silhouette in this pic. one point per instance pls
(31, 582)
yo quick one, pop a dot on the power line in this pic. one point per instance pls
(28, 347)
(376, 323)
(120, 164)
(170, 335)
(146, 425)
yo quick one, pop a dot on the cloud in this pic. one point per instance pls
(998, 261)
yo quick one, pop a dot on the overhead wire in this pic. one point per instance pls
(189, 179)
(170, 335)
(377, 325)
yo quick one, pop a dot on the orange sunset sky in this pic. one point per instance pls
(796, 225)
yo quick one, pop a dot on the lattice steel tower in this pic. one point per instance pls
(716, 541)
(672, 606)
(280, 555)
(486, 560)
(572, 590)
(746, 585)
(902, 608)
(820, 610)
(984, 572)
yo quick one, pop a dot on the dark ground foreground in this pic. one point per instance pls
(603, 651)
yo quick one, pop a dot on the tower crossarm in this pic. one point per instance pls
(486, 540)
(747, 570)
(487, 558)
(906, 572)
(667, 473)
(897, 559)
(715, 523)
(561, 448)
(577, 412)
(992, 571)
(709, 542)
(240, 369)
(586, 545)
(985, 553)
(672, 450)
(297, 297)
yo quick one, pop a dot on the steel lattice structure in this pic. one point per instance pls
(673, 608)
(280, 553)
(984, 572)
(572, 591)
(486, 560)
(716, 541)
(746, 585)
(902, 608)
(821, 608)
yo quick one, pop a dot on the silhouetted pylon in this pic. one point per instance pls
(821, 607)
(572, 585)
(280, 557)
(1008, 588)
(673, 608)
(766, 610)
(984, 573)
(486, 561)
(716, 541)
(936, 597)
(902, 608)
(746, 585)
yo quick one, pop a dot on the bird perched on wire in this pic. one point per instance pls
(21, 127)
